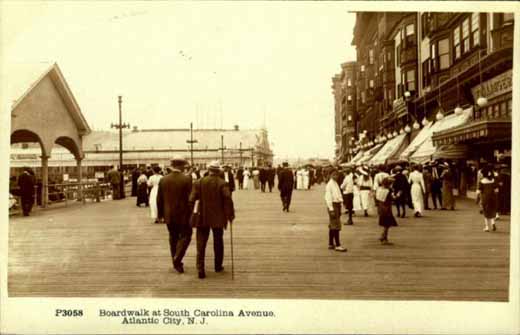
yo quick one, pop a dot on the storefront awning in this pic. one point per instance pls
(370, 153)
(389, 149)
(451, 151)
(357, 157)
(425, 151)
(417, 141)
(475, 132)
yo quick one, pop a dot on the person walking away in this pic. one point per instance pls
(436, 189)
(135, 175)
(173, 207)
(384, 200)
(114, 179)
(447, 188)
(122, 183)
(240, 178)
(142, 189)
(256, 178)
(347, 187)
(504, 188)
(153, 182)
(26, 183)
(487, 195)
(311, 177)
(285, 186)
(380, 176)
(270, 178)
(262, 175)
(400, 187)
(427, 177)
(229, 178)
(216, 208)
(416, 179)
(299, 179)
(333, 199)
(246, 182)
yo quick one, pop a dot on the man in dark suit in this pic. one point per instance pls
(114, 178)
(173, 206)
(229, 178)
(216, 208)
(270, 177)
(240, 178)
(285, 185)
(263, 178)
(26, 185)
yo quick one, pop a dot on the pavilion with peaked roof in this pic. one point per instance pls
(44, 110)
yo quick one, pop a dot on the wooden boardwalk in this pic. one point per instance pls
(111, 249)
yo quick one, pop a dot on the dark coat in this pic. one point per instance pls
(270, 175)
(173, 198)
(240, 174)
(263, 175)
(231, 181)
(286, 181)
(114, 177)
(26, 185)
(216, 205)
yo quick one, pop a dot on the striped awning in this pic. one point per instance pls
(452, 151)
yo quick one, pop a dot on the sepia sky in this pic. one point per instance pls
(215, 64)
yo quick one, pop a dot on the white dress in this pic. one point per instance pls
(417, 181)
(246, 176)
(153, 182)
(305, 179)
(365, 193)
(299, 180)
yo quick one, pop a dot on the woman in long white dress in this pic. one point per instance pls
(153, 182)
(299, 179)
(417, 181)
(246, 176)
(365, 190)
(305, 179)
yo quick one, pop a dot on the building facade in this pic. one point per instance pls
(444, 76)
(144, 147)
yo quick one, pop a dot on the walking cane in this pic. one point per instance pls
(232, 263)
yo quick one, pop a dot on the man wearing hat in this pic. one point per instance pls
(285, 185)
(400, 187)
(173, 206)
(216, 209)
(26, 184)
(229, 178)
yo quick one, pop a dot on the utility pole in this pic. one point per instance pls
(240, 153)
(191, 141)
(120, 126)
(252, 157)
(222, 148)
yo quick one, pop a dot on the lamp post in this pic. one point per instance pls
(120, 126)
(191, 141)
(240, 153)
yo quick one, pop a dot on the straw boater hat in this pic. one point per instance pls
(215, 165)
(398, 168)
(363, 171)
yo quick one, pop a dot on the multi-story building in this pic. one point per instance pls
(432, 85)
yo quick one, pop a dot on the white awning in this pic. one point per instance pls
(369, 153)
(357, 157)
(390, 148)
(417, 141)
(427, 149)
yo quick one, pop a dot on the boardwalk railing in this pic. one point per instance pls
(66, 192)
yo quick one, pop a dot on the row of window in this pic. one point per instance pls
(499, 110)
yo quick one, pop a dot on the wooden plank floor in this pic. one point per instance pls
(111, 249)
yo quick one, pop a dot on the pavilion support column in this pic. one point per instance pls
(80, 177)
(45, 180)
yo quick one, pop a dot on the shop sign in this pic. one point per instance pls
(501, 84)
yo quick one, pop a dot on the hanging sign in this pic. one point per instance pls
(501, 84)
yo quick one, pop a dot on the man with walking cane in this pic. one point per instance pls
(216, 210)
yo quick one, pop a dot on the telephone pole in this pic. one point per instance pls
(191, 141)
